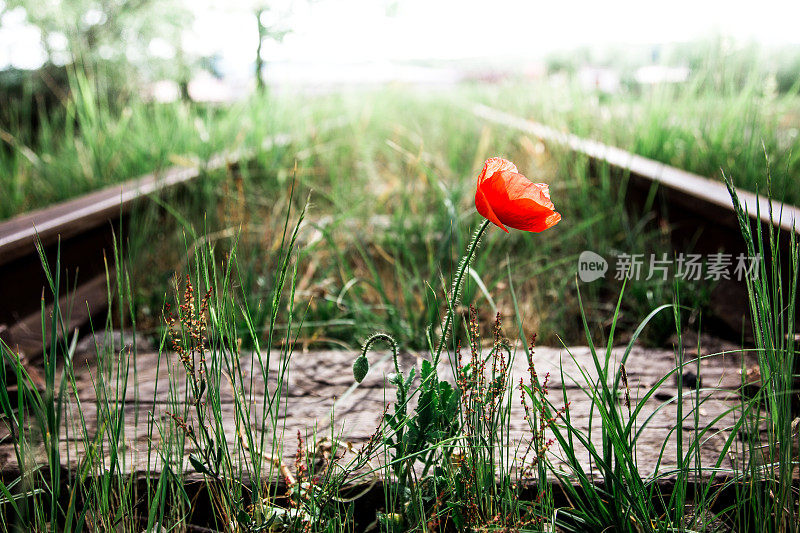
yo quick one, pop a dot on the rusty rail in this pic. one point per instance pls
(701, 192)
(82, 230)
(697, 210)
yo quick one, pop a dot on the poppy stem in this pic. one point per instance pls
(361, 365)
(455, 297)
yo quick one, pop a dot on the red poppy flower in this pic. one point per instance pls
(507, 198)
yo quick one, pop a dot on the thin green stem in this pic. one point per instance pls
(384, 337)
(455, 298)
(361, 365)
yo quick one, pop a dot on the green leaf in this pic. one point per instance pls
(411, 438)
(426, 408)
(199, 466)
(426, 370)
(410, 378)
(243, 518)
(219, 456)
(445, 392)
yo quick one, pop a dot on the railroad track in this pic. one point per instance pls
(81, 232)
(697, 211)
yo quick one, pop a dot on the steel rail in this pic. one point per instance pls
(82, 229)
(704, 190)
(697, 211)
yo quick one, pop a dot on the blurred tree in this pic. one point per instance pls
(271, 25)
(114, 38)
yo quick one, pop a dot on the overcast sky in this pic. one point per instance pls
(363, 30)
(470, 28)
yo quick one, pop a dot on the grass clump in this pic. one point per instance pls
(769, 499)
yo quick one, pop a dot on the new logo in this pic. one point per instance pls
(591, 266)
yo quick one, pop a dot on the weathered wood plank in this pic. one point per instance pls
(320, 396)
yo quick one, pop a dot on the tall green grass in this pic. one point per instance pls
(238, 454)
(769, 501)
(94, 140)
(445, 446)
(391, 193)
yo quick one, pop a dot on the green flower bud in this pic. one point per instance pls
(360, 368)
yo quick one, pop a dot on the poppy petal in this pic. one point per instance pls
(517, 202)
(485, 210)
(495, 164)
